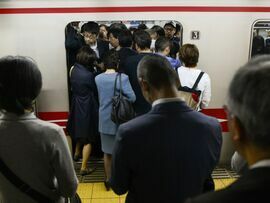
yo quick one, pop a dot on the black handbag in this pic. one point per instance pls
(122, 109)
(26, 189)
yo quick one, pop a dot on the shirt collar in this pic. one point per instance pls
(262, 163)
(166, 100)
(93, 46)
(12, 116)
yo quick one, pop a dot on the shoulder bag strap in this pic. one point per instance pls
(22, 186)
(120, 84)
(197, 80)
(115, 81)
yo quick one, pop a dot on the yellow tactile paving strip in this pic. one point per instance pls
(96, 192)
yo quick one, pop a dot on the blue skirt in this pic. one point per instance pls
(107, 143)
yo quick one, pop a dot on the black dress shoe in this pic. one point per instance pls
(107, 185)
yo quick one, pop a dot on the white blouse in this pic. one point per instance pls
(188, 77)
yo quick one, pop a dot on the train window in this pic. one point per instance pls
(76, 37)
(260, 38)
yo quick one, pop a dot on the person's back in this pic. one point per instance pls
(37, 152)
(166, 154)
(172, 160)
(142, 42)
(34, 150)
(248, 121)
(188, 74)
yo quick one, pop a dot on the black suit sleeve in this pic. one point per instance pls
(120, 177)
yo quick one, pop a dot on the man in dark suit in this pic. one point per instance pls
(90, 32)
(166, 154)
(248, 116)
(142, 43)
(125, 43)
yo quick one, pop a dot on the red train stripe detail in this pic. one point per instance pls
(217, 113)
(135, 9)
(52, 115)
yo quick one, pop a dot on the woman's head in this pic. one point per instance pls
(20, 83)
(111, 60)
(189, 55)
(86, 57)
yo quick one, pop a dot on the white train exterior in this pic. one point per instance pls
(36, 29)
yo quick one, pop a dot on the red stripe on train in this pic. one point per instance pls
(135, 9)
(54, 116)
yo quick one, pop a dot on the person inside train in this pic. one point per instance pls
(154, 37)
(258, 46)
(73, 42)
(82, 123)
(163, 47)
(113, 38)
(170, 30)
(159, 30)
(103, 32)
(142, 26)
(188, 74)
(248, 116)
(34, 150)
(120, 26)
(142, 42)
(125, 43)
(160, 156)
(105, 86)
(90, 31)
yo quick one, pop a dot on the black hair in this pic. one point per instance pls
(142, 39)
(86, 57)
(159, 30)
(157, 71)
(142, 26)
(162, 43)
(118, 26)
(20, 83)
(91, 27)
(111, 59)
(115, 32)
(125, 38)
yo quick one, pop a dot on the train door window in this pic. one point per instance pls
(75, 37)
(260, 38)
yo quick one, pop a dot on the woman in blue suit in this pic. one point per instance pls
(105, 87)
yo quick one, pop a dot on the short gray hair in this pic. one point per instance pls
(249, 99)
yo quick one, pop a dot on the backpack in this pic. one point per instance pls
(190, 95)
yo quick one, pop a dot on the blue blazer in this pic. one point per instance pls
(165, 155)
(105, 87)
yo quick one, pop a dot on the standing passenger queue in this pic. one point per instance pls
(165, 154)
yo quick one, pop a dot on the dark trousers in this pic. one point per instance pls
(208, 185)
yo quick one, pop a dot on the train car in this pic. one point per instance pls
(222, 30)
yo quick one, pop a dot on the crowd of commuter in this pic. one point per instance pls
(166, 153)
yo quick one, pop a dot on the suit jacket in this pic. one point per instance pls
(141, 106)
(165, 155)
(124, 53)
(103, 47)
(105, 86)
(253, 187)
